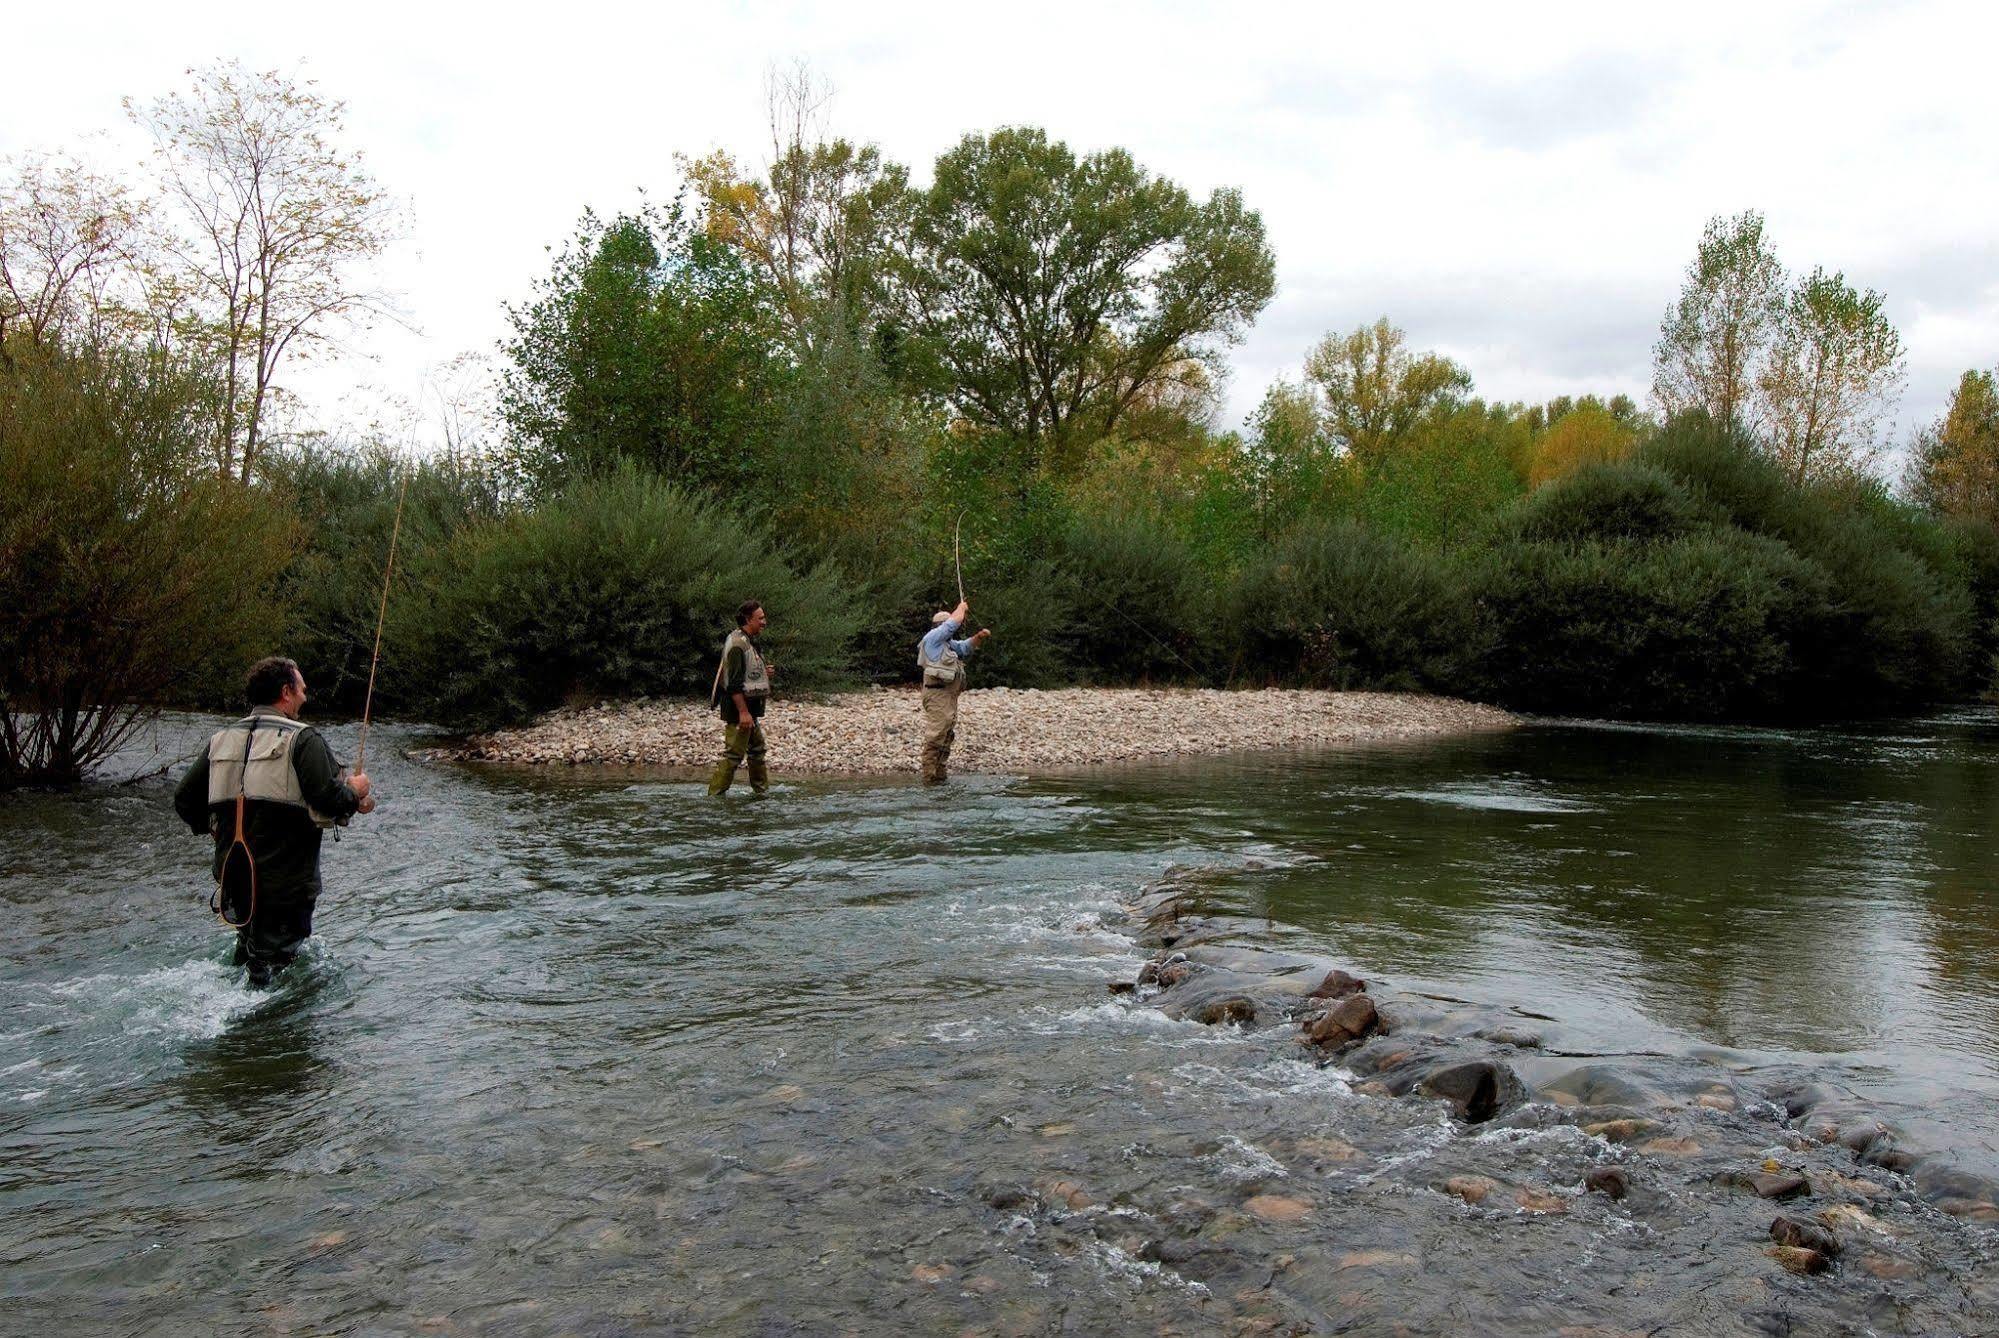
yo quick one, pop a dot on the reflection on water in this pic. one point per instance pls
(596, 1053)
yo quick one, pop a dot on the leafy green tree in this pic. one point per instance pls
(1957, 459)
(651, 343)
(1713, 339)
(1834, 372)
(132, 574)
(1045, 294)
(1376, 390)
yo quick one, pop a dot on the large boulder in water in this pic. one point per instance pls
(1476, 1090)
(1347, 1021)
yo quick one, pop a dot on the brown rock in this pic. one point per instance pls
(1971, 1210)
(1779, 1185)
(1846, 1217)
(931, 1272)
(1470, 1188)
(1805, 1233)
(1338, 985)
(1374, 1259)
(1277, 1208)
(1609, 1181)
(1889, 1267)
(1174, 972)
(1234, 1008)
(1798, 1260)
(1670, 1147)
(1540, 1201)
(1620, 1131)
(1348, 1021)
(1328, 1148)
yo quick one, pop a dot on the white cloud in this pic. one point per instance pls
(1519, 187)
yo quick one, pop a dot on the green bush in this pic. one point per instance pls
(1337, 605)
(1141, 606)
(623, 585)
(133, 574)
(1608, 502)
(345, 502)
(1692, 628)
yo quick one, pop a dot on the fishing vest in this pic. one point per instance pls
(756, 678)
(253, 757)
(947, 668)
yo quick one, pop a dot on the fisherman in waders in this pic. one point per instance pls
(942, 661)
(273, 784)
(742, 686)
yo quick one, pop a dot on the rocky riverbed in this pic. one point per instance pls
(1798, 1208)
(1000, 730)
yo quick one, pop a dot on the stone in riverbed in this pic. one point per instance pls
(1609, 1181)
(1804, 1233)
(1338, 985)
(1620, 1131)
(1798, 1260)
(1769, 1184)
(1232, 1008)
(1348, 1021)
(1472, 1189)
(1277, 1208)
(1476, 1090)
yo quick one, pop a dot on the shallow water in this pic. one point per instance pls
(593, 1053)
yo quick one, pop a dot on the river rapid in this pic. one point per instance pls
(589, 1052)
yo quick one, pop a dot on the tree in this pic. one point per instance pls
(1376, 391)
(649, 343)
(1957, 459)
(1712, 340)
(1589, 434)
(1045, 294)
(275, 220)
(131, 573)
(817, 223)
(68, 242)
(1834, 372)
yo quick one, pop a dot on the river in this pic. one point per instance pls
(588, 1052)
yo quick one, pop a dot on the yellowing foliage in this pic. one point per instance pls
(1584, 436)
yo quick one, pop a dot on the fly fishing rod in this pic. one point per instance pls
(381, 617)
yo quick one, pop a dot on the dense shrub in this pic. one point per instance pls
(1691, 628)
(620, 585)
(331, 591)
(1337, 605)
(132, 573)
(1584, 436)
(1443, 486)
(1142, 606)
(1615, 501)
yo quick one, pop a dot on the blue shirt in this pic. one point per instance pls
(934, 639)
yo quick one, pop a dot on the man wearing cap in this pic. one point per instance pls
(942, 660)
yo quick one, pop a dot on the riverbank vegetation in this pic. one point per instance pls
(824, 385)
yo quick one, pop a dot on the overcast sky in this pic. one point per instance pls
(1520, 187)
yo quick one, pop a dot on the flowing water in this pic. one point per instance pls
(585, 1052)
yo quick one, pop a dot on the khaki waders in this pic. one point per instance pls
(940, 727)
(739, 744)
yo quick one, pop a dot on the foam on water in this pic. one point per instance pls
(191, 1001)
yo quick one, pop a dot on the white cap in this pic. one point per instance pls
(939, 617)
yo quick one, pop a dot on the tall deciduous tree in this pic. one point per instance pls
(1046, 294)
(1833, 375)
(277, 224)
(1376, 390)
(69, 242)
(1957, 459)
(817, 222)
(648, 343)
(1713, 339)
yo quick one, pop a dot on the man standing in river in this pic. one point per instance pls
(942, 660)
(290, 791)
(742, 686)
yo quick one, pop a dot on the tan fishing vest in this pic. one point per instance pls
(942, 672)
(756, 678)
(266, 773)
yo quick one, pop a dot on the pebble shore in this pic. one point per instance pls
(1000, 730)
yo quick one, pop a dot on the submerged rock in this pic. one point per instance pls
(1609, 1181)
(1476, 1090)
(1802, 1231)
(1230, 1008)
(1338, 985)
(1799, 1260)
(1353, 1018)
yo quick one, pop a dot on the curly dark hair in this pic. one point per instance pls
(269, 677)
